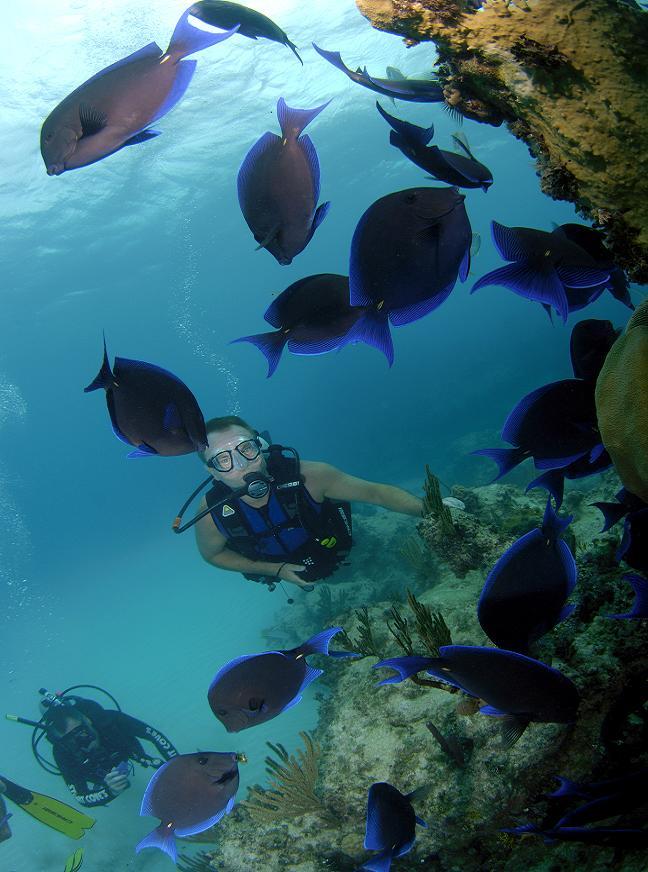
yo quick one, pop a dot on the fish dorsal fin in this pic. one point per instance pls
(92, 120)
(394, 73)
(151, 50)
(460, 141)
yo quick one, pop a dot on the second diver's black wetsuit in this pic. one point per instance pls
(119, 736)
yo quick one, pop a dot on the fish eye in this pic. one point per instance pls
(48, 137)
(221, 712)
(254, 704)
(410, 198)
(202, 761)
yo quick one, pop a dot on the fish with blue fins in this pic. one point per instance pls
(255, 688)
(391, 824)
(312, 316)
(150, 408)
(541, 265)
(408, 250)
(525, 593)
(517, 689)
(460, 168)
(279, 186)
(189, 794)
(117, 106)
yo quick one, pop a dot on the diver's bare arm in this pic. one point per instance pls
(324, 480)
(213, 549)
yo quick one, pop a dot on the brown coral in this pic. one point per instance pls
(570, 75)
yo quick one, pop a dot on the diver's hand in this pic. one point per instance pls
(288, 572)
(116, 782)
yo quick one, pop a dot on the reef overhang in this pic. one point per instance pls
(568, 77)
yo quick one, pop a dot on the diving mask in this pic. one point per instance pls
(239, 457)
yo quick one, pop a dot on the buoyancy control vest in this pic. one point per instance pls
(292, 527)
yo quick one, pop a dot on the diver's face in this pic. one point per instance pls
(228, 441)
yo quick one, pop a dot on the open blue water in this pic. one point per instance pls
(150, 246)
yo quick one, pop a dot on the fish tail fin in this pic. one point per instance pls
(319, 643)
(405, 667)
(552, 481)
(565, 788)
(640, 606)
(163, 838)
(505, 458)
(105, 377)
(552, 525)
(293, 122)
(373, 328)
(333, 57)
(380, 863)
(411, 132)
(293, 48)
(269, 344)
(188, 39)
(612, 513)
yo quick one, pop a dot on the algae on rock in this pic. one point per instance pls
(568, 77)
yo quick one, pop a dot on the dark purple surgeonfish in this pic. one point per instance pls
(606, 837)
(116, 106)
(639, 610)
(589, 345)
(413, 90)
(525, 592)
(279, 186)
(255, 688)
(463, 170)
(189, 794)
(150, 408)
(514, 687)
(542, 265)
(312, 316)
(555, 425)
(407, 252)
(603, 799)
(391, 824)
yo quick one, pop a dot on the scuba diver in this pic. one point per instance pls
(273, 517)
(93, 748)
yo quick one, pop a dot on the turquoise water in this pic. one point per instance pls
(150, 246)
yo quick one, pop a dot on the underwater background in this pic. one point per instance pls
(150, 247)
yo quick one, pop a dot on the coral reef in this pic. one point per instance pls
(414, 735)
(568, 77)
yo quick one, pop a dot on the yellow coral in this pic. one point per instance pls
(622, 404)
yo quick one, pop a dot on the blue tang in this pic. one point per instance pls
(255, 688)
(391, 825)
(553, 480)
(542, 265)
(189, 794)
(589, 344)
(603, 799)
(516, 688)
(525, 592)
(312, 316)
(279, 186)
(555, 425)
(606, 837)
(413, 90)
(150, 408)
(116, 107)
(462, 170)
(407, 252)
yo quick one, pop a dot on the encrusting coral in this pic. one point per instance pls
(568, 77)
(412, 735)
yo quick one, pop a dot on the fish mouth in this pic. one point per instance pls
(55, 169)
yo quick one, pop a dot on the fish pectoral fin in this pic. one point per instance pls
(267, 239)
(142, 136)
(512, 728)
(142, 450)
(92, 120)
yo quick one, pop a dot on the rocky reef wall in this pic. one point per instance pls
(568, 77)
